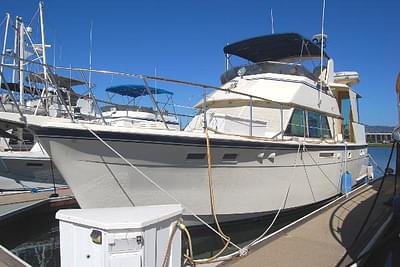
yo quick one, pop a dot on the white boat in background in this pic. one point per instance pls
(278, 133)
(139, 116)
(24, 164)
(27, 170)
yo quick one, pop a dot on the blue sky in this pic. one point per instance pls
(184, 39)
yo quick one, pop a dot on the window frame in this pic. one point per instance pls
(289, 124)
(306, 134)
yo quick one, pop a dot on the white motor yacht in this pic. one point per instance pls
(280, 137)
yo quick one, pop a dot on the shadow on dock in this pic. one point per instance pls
(347, 218)
(328, 237)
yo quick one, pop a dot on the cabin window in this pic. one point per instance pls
(296, 125)
(318, 125)
(193, 156)
(34, 164)
(346, 111)
(326, 132)
(229, 157)
(326, 154)
(314, 124)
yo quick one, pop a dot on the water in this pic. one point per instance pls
(38, 242)
(381, 157)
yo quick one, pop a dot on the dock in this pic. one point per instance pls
(327, 237)
(16, 203)
(8, 259)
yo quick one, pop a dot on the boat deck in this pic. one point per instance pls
(326, 238)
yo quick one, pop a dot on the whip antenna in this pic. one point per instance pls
(272, 22)
(322, 50)
(90, 53)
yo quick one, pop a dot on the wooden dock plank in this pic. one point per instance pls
(8, 259)
(6, 199)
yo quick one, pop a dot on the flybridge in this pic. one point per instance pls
(275, 47)
(276, 53)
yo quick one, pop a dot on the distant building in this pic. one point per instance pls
(378, 134)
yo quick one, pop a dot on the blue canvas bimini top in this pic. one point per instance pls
(134, 90)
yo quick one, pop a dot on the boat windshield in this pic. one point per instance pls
(268, 67)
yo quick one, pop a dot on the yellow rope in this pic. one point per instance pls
(226, 239)
(169, 243)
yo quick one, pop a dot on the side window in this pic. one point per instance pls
(318, 125)
(314, 124)
(345, 109)
(296, 125)
(326, 132)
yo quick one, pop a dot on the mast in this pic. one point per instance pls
(15, 47)
(21, 62)
(43, 41)
(3, 51)
(44, 62)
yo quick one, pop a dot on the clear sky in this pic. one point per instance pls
(184, 39)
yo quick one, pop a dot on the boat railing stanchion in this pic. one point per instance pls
(53, 81)
(3, 52)
(251, 117)
(205, 108)
(146, 85)
(12, 96)
(281, 119)
(88, 85)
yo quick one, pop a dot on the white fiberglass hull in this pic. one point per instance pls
(27, 168)
(253, 183)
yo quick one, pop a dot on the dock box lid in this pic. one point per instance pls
(120, 218)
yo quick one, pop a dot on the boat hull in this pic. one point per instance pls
(254, 182)
(25, 168)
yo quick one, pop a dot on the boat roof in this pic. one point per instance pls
(15, 87)
(274, 47)
(134, 90)
(62, 81)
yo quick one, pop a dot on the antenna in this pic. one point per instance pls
(155, 83)
(272, 23)
(322, 34)
(54, 51)
(90, 53)
(322, 48)
(226, 60)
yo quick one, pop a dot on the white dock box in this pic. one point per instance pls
(135, 237)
